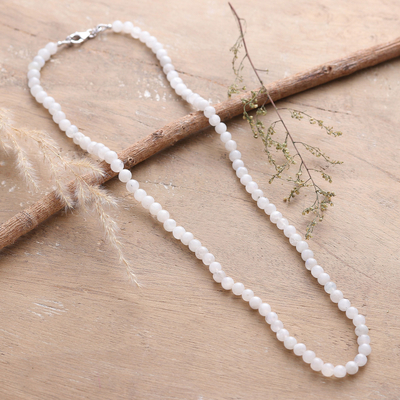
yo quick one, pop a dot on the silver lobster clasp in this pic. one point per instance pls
(80, 37)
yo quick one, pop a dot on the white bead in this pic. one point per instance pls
(271, 317)
(51, 47)
(161, 53)
(245, 179)
(360, 359)
(363, 339)
(299, 349)
(336, 296)
(132, 185)
(187, 237)
(186, 93)
(251, 187)
(215, 267)
(308, 356)
(344, 304)
(306, 254)
(154, 208)
(323, 278)
(220, 128)
(33, 73)
(311, 262)
(178, 232)
(54, 108)
(316, 271)
(33, 82)
(140, 194)
(247, 294)
(147, 202)
(226, 138)
(235, 155)
(172, 75)
(40, 60)
(165, 60)
(351, 312)
(174, 82)
(214, 120)
(84, 142)
(282, 334)
(301, 246)
(77, 137)
(264, 309)
(269, 208)
(192, 98)
(110, 156)
(100, 150)
(339, 371)
(238, 288)
(136, 32)
(275, 216)
(327, 369)
(227, 283)
(219, 276)
(276, 325)
(262, 202)
(64, 124)
(290, 342)
(44, 53)
(127, 27)
(202, 104)
(209, 111)
(151, 41)
(117, 26)
(34, 65)
(117, 165)
(162, 215)
(282, 223)
(361, 330)
(237, 164)
(156, 46)
(35, 90)
(241, 171)
(41, 96)
(169, 225)
(71, 131)
(180, 88)
(289, 231)
(351, 367)
(359, 320)
(208, 258)
(231, 145)
(255, 302)
(144, 36)
(125, 175)
(58, 116)
(316, 364)
(168, 68)
(293, 239)
(201, 252)
(48, 102)
(330, 287)
(257, 194)
(194, 245)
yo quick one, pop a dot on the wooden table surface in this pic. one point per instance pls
(72, 327)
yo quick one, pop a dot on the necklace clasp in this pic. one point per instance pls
(80, 37)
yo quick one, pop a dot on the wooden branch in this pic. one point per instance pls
(31, 217)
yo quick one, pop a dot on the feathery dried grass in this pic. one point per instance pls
(62, 168)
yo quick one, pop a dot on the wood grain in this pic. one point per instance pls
(73, 328)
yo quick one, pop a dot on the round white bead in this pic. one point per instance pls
(360, 359)
(41, 96)
(290, 342)
(327, 369)
(282, 223)
(165, 60)
(44, 53)
(237, 164)
(214, 120)
(336, 296)
(351, 367)
(136, 32)
(151, 41)
(316, 364)
(238, 288)
(84, 142)
(247, 294)
(48, 102)
(235, 155)
(330, 287)
(269, 208)
(311, 262)
(154, 208)
(208, 258)
(33, 82)
(271, 317)
(344, 304)
(64, 124)
(117, 26)
(299, 349)
(147, 202)
(168, 68)
(187, 237)
(361, 330)
(161, 53)
(219, 276)
(293, 239)
(125, 175)
(71, 131)
(201, 252)
(77, 137)
(51, 47)
(180, 88)
(209, 111)
(306, 254)
(359, 320)
(220, 128)
(227, 283)
(215, 267)
(301, 246)
(308, 356)
(172, 75)
(33, 73)
(117, 165)
(323, 278)
(169, 225)
(258, 193)
(202, 104)
(127, 27)
(282, 334)
(175, 82)
(101, 151)
(262, 202)
(35, 90)
(241, 171)
(363, 339)
(276, 325)
(339, 371)
(156, 46)
(230, 145)
(110, 156)
(178, 232)
(140, 194)
(245, 179)
(351, 312)
(264, 309)
(54, 108)
(316, 271)
(34, 65)
(194, 245)
(40, 60)
(251, 187)
(255, 302)
(132, 185)
(275, 216)
(162, 215)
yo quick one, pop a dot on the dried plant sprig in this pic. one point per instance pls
(290, 156)
(86, 196)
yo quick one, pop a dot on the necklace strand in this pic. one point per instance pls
(179, 233)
